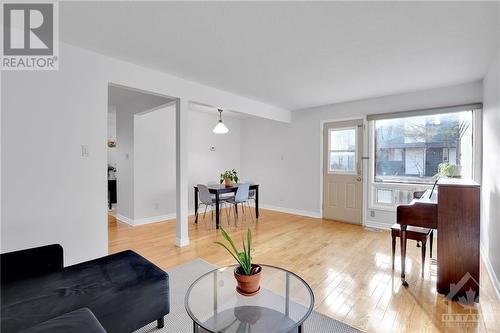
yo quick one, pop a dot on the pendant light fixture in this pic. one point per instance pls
(220, 128)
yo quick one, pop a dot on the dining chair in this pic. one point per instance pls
(241, 197)
(251, 193)
(208, 200)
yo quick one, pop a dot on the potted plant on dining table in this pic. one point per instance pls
(246, 273)
(228, 177)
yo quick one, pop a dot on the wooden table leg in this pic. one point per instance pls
(423, 256)
(393, 247)
(403, 254)
(196, 205)
(431, 240)
(217, 212)
(257, 202)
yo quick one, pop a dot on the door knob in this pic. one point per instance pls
(359, 179)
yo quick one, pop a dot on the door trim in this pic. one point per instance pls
(322, 123)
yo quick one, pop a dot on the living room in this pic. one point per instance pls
(344, 120)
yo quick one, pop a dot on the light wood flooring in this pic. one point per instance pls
(348, 268)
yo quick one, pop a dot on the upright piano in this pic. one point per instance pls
(454, 210)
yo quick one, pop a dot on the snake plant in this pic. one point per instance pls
(244, 257)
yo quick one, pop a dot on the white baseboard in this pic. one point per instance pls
(491, 271)
(145, 220)
(181, 242)
(292, 211)
(124, 219)
(377, 225)
(154, 219)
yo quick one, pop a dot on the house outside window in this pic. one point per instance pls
(410, 150)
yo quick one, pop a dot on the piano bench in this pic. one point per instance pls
(416, 233)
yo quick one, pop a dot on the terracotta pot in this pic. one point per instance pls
(228, 182)
(248, 285)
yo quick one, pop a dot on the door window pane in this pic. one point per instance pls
(343, 139)
(342, 150)
(343, 161)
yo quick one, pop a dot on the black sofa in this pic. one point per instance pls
(78, 321)
(124, 290)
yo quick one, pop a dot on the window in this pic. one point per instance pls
(394, 195)
(342, 150)
(410, 149)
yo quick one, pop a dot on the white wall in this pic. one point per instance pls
(50, 193)
(285, 158)
(490, 190)
(125, 161)
(112, 134)
(154, 165)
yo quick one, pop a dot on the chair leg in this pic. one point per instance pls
(393, 249)
(431, 240)
(244, 212)
(423, 257)
(250, 210)
(225, 210)
(205, 213)
(235, 206)
(229, 210)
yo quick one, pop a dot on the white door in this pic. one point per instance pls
(342, 174)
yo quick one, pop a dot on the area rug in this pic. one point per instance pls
(178, 321)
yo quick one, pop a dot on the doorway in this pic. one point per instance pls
(342, 171)
(131, 147)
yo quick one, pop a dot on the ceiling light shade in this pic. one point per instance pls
(220, 128)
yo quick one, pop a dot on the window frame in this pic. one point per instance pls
(408, 179)
(330, 150)
(372, 186)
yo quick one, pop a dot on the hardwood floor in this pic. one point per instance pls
(347, 266)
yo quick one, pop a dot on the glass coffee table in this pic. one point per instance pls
(281, 306)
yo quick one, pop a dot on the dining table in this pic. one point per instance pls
(218, 190)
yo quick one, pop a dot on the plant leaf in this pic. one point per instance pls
(230, 252)
(244, 264)
(228, 238)
(245, 255)
(249, 244)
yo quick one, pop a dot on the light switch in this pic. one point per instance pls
(85, 151)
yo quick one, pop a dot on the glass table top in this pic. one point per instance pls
(283, 303)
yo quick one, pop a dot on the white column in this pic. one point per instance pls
(181, 153)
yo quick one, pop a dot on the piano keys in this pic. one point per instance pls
(455, 212)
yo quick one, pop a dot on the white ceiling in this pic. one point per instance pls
(295, 54)
(140, 101)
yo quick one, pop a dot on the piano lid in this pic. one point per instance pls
(457, 182)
